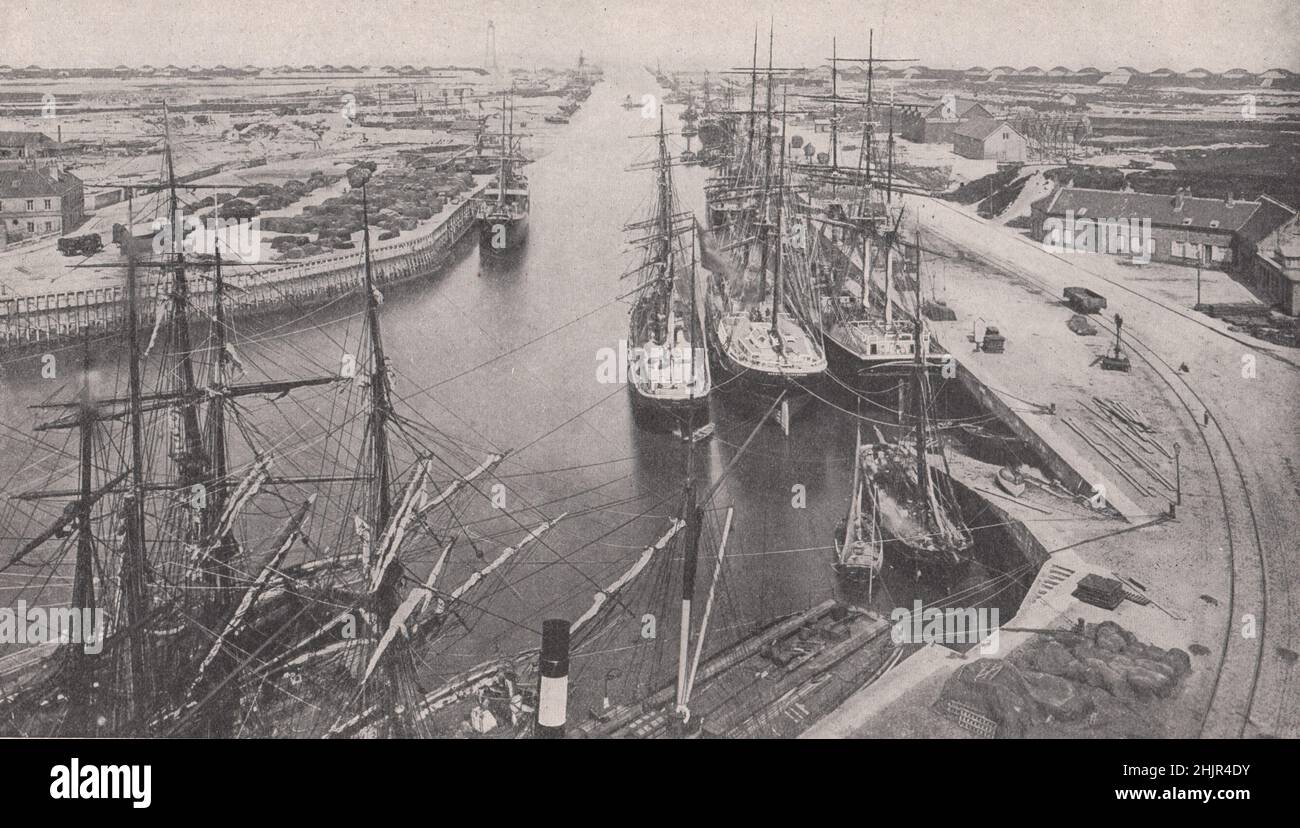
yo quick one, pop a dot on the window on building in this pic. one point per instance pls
(1176, 249)
(49, 225)
(31, 227)
(31, 204)
(47, 204)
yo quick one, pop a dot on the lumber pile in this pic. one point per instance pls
(1125, 439)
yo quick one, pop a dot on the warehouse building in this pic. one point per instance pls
(1259, 240)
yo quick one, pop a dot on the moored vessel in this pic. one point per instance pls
(668, 366)
(505, 203)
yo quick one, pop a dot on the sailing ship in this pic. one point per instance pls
(904, 502)
(245, 593)
(504, 204)
(849, 216)
(757, 338)
(668, 366)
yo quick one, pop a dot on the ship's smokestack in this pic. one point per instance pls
(553, 689)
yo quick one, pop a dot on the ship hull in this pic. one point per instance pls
(660, 414)
(757, 389)
(900, 533)
(499, 236)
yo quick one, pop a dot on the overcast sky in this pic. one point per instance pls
(1147, 34)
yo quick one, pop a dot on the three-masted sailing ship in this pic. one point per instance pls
(505, 203)
(246, 592)
(668, 365)
(757, 338)
(853, 222)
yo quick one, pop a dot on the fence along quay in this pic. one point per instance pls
(53, 319)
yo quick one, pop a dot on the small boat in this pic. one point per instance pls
(1010, 481)
(859, 547)
(556, 119)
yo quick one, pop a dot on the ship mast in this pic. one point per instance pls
(764, 228)
(191, 463)
(501, 175)
(380, 404)
(868, 127)
(693, 516)
(665, 197)
(135, 602)
(835, 107)
(83, 584)
(889, 172)
(217, 414)
(753, 101)
(920, 404)
(777, 282)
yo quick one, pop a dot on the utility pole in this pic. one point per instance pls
(1198, 276)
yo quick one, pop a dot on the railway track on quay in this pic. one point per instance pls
(1258, 583)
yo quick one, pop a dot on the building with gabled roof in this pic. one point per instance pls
(17, 145)
(1270, 253)
(987, 139)
(935, 125)
(37, 201)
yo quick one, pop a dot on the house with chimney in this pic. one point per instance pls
(39, 201)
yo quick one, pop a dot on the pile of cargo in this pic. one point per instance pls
(259, 198)
(1098, 679)
(399, 199)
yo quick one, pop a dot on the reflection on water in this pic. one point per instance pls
(503, 352)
